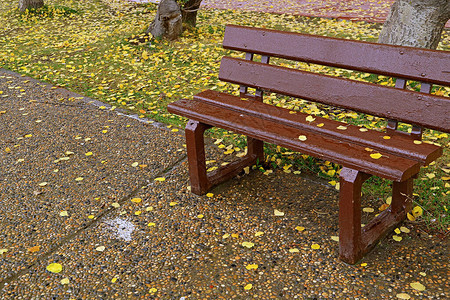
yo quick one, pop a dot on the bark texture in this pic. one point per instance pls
(168, 21)
(189, 12)
(416, 23)
(28, 4)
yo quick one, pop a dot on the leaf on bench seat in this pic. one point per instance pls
(376, 155)
(310, 118)
(302, 138)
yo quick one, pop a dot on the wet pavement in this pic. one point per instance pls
(107, 197)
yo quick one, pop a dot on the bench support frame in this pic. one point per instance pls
(201, 182)
(354, 241)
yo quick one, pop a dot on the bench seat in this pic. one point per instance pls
(397, 145)
(389, 166)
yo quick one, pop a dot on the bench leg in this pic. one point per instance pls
(255, 148)
(355, 242)
(350, 215)
(195, 144)
(402, 197)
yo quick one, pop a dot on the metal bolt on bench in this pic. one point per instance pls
(402, 154)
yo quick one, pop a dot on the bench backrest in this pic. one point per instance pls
(406, 63)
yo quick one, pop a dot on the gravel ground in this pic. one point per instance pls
(128, 236)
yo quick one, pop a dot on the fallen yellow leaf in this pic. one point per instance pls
(417, 211)
(404, 229)
(397, 238)
(136, 200)
(389, 200)
(302, 138)
(368, 209)
(248, 244)
(65, 281)
(54, 268)
(430, 175)
(252, 267)
(383, 207)
(299, 228)
(417, 286)
(310, 118)
(278, 213)
(376, 155)
(248, 287)
(410, 217)
(160, 179)
(403, 296)
(315, 246)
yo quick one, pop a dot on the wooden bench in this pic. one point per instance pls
(350, 146)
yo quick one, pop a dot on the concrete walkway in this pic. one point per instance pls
(105, 196)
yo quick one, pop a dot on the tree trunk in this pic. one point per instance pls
(167, 23)
(416, 23)
(189, 12)
(27, 4)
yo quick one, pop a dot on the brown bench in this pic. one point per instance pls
(350, 146)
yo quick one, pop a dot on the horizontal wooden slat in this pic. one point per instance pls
(349, 155)
(397, 145)
(427, 110)
(406, 62)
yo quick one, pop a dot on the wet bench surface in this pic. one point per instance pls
(393, 155)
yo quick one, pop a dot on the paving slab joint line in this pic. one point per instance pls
(90, 101)
(90, 224)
